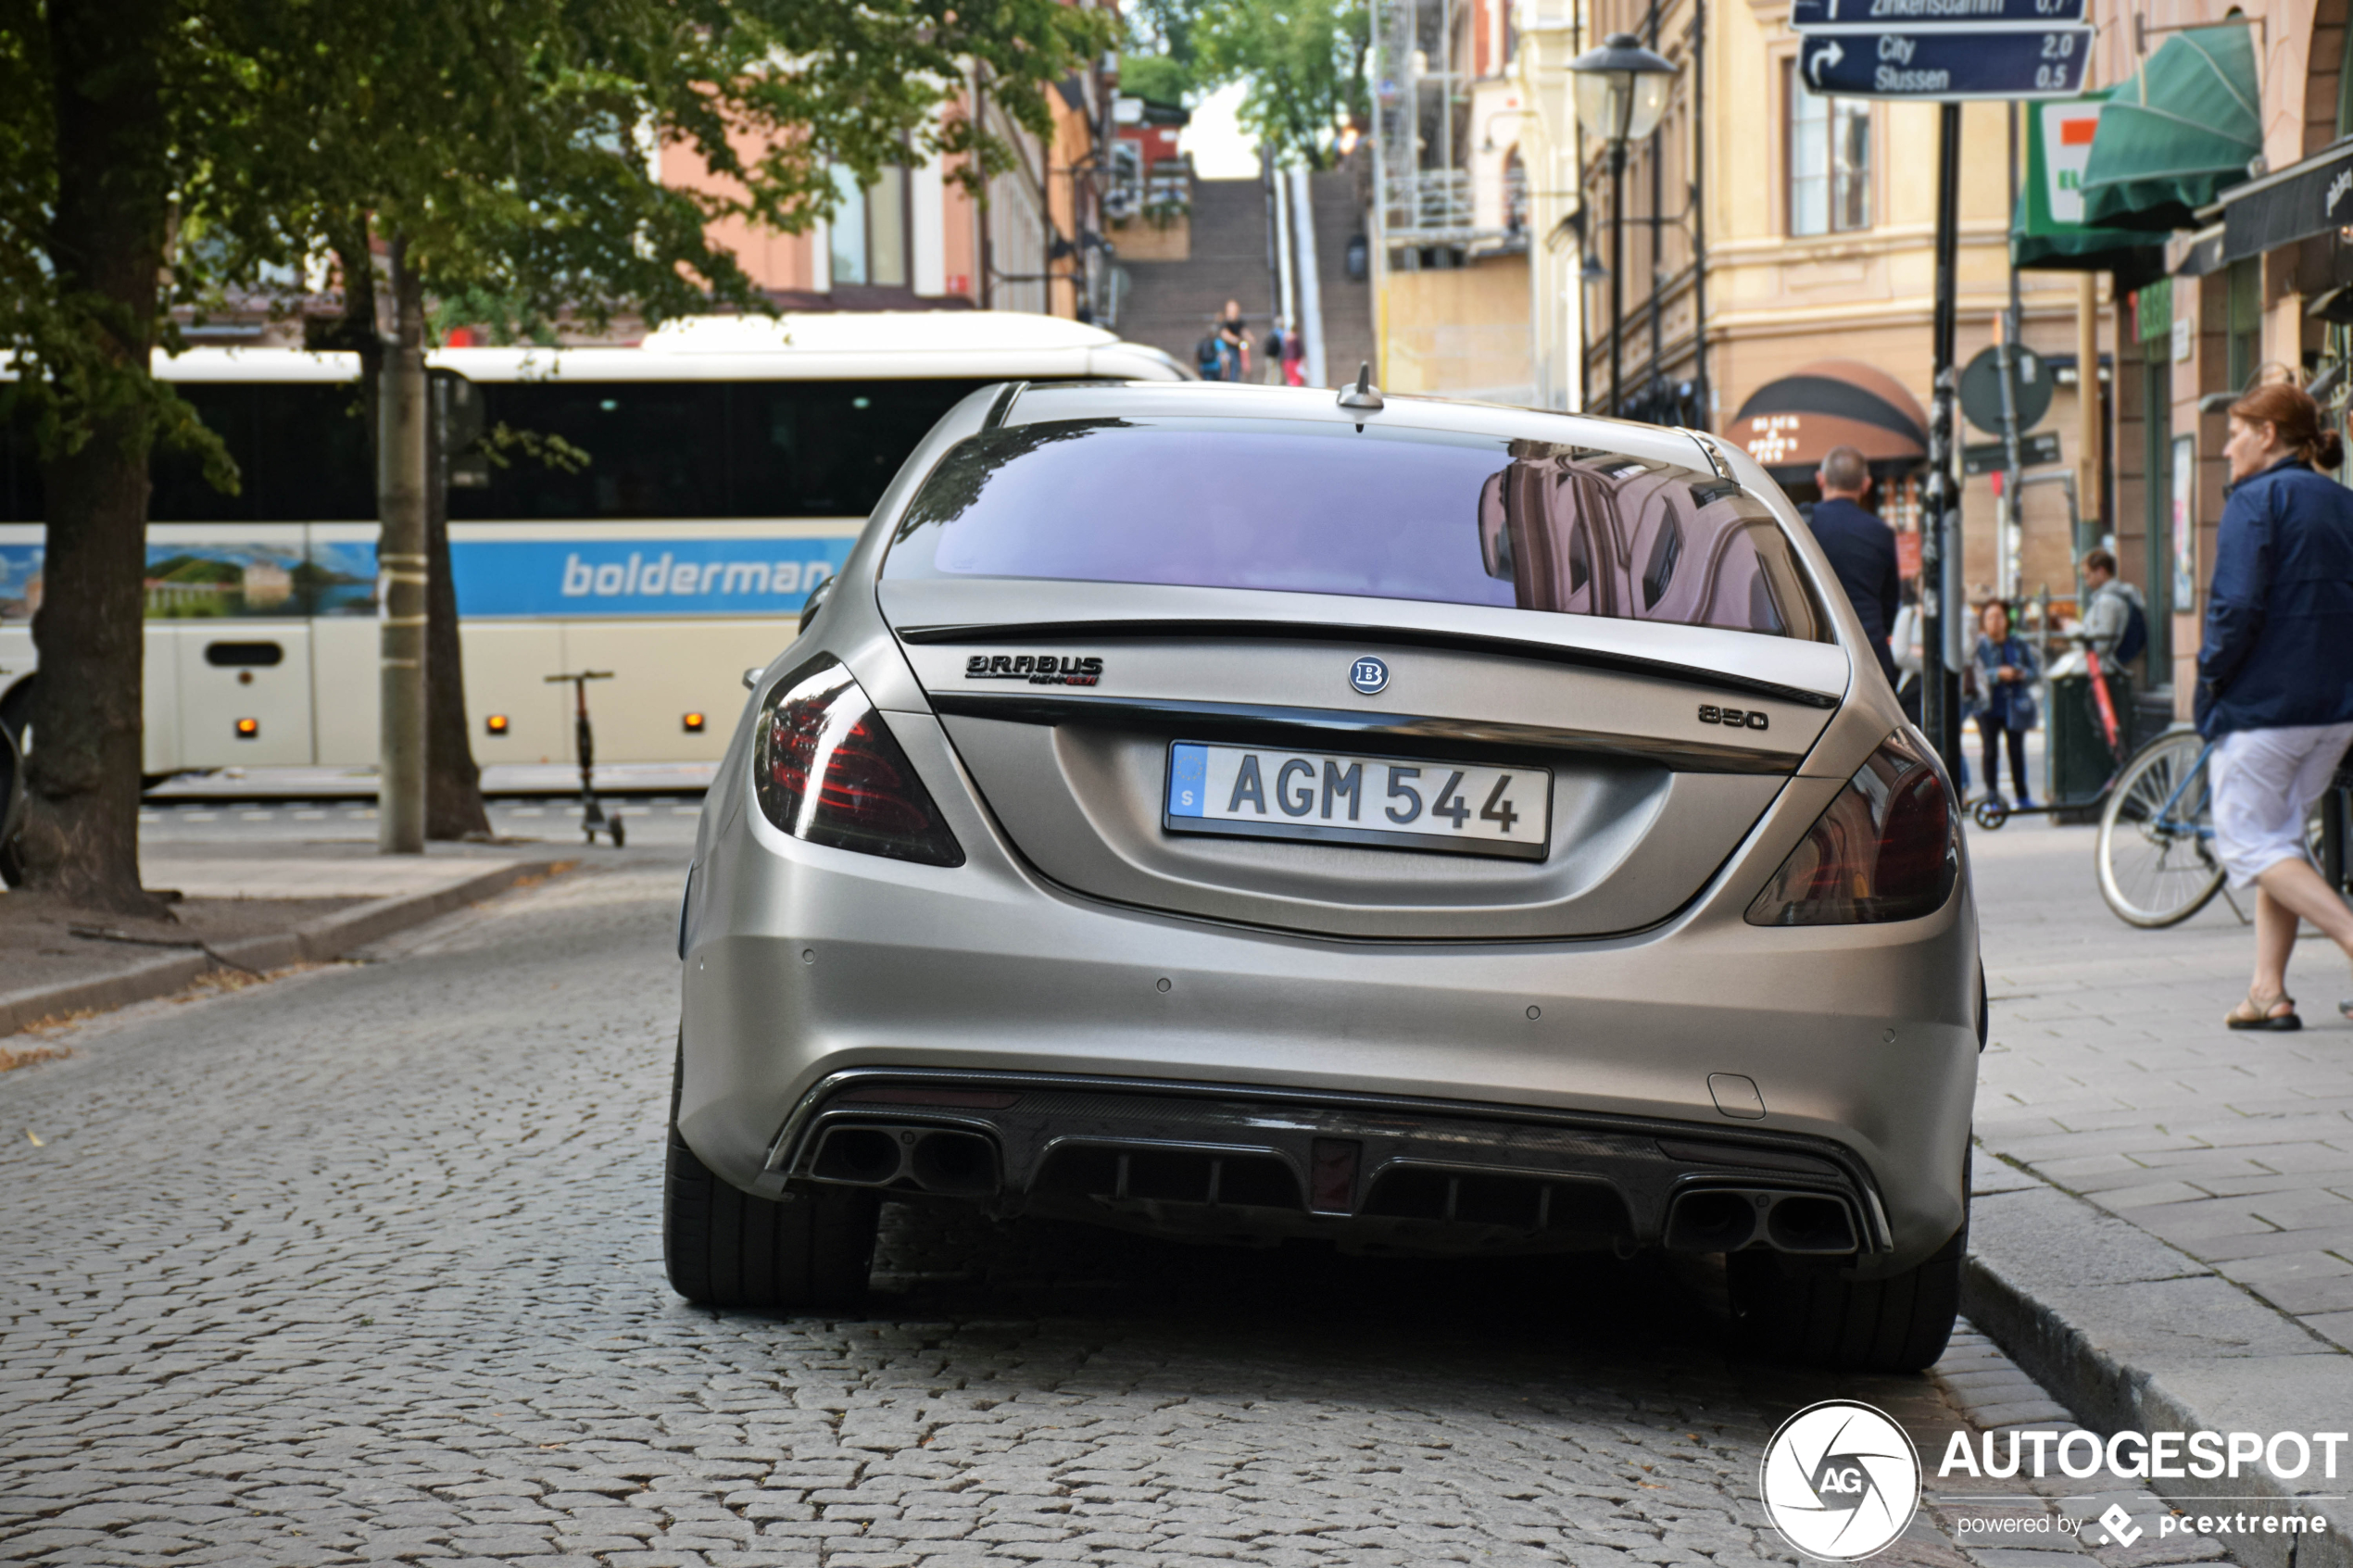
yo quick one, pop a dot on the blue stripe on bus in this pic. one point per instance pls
(573, 578)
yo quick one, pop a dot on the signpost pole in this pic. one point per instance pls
(1940, 686)
(2009, 576)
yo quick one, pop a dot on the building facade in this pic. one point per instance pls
(917, 239)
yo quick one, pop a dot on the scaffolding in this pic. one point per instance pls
(1421, 127)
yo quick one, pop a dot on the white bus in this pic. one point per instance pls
(730, 463)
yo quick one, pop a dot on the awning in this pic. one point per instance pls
(2047, 231)
(1790, 424)
(2304, 199)
(2174, 136)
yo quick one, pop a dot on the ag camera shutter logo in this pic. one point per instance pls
(1840, 1480)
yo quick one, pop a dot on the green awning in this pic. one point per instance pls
(2182, 129)
(2048, 232)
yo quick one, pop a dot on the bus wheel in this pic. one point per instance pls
(15, 709)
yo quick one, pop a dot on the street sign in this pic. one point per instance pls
(2033, 451)
(1945, 64)
(1808, 14)
(1982, 389)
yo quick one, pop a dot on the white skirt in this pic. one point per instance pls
(2265, 783)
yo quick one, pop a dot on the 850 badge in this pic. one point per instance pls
(1840, 1480)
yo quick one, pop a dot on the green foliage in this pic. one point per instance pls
(1161, 78)
(510, 142)
(1302, 62)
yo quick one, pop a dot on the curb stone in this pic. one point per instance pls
(314, 941)
(2129, 1332)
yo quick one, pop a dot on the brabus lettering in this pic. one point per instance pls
(1037, 669)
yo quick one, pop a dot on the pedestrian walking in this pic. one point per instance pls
(2116, 627)
(1272, 352)
(1904, 645)
(2275, 678)
(2006, 671)
(1294, 354)
(1861, 548)
(1233, 330)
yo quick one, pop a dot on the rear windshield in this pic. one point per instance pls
(1314, 509)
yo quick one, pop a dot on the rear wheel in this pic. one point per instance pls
(729, 1248)
(1799, 1310)
(2156, 867)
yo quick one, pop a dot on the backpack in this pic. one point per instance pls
(1207, 356)
(2135, 636)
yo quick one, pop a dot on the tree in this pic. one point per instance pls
(103, 116)
(1302, 61)
(153, 152)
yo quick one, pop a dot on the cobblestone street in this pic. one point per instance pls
(364, 1264)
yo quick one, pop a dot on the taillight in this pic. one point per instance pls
(1888, 849)
(827, 770)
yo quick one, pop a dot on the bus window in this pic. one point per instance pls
(653, 450)
(830, 448)
(301, 451)
(670, 449)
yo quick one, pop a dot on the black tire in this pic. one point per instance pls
(728, 1249)
(11, 808)
(1799, 1310)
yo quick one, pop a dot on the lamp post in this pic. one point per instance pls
(1621, 94)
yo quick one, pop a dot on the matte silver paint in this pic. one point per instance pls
(1017, 961)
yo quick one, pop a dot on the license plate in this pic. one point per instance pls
(1396, 802)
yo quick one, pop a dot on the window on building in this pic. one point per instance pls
(2246, 343)
(1830, 161)
(869, 229)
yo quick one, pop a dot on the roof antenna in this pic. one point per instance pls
(1363, 395)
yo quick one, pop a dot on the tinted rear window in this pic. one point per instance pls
(1315, 508)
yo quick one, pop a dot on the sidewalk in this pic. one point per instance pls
(244, 909)
(2165, 1209)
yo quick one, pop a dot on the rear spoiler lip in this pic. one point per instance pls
(1216, 720)
(1339, 632)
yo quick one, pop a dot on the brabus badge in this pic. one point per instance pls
(1037, 669)
(1368, 675)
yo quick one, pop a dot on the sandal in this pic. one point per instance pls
(2263, 1013)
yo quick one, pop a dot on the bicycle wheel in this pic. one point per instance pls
(2156, 867)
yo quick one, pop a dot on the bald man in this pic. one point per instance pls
(1861, 547)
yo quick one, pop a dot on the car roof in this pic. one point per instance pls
(1238, 400)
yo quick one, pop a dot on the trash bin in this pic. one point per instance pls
(2080, 759)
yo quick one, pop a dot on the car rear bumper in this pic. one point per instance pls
(1226, 1161)
(806, 964)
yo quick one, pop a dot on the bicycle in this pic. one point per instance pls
(2156, 853)
(2155, 856)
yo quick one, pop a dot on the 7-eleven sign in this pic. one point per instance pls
(2066, 151)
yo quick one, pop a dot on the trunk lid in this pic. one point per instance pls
(1663, 744)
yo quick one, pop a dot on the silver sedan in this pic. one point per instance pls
(1244, 814)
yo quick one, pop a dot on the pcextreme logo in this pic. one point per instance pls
(1840, 1480)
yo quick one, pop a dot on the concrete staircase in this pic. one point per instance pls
(1169, 304)
(1348, 307)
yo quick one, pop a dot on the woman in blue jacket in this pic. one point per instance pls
(2006, 671)
(2275, 677)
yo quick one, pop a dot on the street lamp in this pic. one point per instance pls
(1621, 93)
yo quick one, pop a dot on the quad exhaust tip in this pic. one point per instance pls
(935, 1159)
(1727, 1218)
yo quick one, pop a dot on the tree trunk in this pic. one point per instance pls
(400, 572)
(80, 839)
(453, 783)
